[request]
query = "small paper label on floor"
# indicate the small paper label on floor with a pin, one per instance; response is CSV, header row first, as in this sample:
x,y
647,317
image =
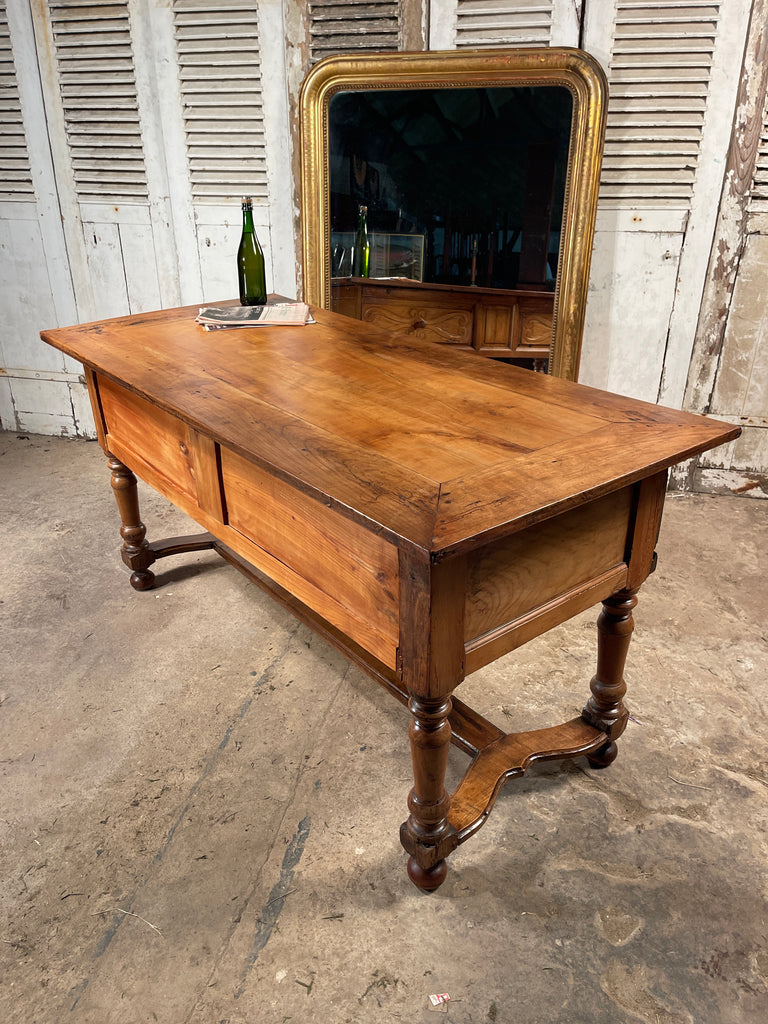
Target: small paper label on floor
x,y
441,997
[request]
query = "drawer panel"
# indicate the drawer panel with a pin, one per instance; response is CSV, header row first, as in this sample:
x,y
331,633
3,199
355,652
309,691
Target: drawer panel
x,y
495,326
528,570
535,324
535,331
160,440
339,569
432,322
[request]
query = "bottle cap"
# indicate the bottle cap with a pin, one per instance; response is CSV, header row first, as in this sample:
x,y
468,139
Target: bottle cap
x,y
247,201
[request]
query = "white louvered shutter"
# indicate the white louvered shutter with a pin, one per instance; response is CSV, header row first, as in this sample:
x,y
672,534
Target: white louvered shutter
x,y
503,23
220,77
673,68
758,197
353,26
15,174
94,61
659,81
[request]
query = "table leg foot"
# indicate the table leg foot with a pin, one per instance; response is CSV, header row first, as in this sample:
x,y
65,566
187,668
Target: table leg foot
x,y
427,879
143,580
604,756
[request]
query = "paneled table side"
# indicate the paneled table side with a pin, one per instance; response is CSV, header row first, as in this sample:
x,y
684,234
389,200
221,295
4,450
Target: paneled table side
x,y
423,509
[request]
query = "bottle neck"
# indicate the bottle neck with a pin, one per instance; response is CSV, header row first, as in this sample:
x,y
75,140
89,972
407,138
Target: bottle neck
x,y
248,219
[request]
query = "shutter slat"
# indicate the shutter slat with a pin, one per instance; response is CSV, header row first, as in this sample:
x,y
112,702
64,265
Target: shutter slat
x,y
656,162
678,148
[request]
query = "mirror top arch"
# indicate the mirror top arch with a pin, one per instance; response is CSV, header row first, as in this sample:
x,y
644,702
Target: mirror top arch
x,y
564,67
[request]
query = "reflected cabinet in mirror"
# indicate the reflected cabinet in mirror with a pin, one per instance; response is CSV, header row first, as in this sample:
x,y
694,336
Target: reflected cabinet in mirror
x,y
452,195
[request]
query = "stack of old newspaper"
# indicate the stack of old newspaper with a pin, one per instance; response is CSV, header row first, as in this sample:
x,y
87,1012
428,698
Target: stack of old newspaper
x,y
217,318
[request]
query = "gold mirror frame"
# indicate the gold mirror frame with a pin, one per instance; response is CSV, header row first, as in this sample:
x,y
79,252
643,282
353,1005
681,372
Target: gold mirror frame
x,y
460,69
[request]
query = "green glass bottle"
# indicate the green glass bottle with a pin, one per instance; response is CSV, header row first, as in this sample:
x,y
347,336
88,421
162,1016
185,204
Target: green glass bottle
x,y
250,262
361,263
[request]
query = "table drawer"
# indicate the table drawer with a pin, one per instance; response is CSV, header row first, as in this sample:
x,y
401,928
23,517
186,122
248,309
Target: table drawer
x,y
429,321
548,572
160,440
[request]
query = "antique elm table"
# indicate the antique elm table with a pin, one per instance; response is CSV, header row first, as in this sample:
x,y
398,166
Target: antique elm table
x,y
424,510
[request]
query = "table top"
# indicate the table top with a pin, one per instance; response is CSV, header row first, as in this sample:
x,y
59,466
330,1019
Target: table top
x,y
439,448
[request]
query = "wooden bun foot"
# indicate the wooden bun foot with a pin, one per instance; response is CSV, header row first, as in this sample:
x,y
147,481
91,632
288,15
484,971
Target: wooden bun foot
x,y
604,756
427,879
143,580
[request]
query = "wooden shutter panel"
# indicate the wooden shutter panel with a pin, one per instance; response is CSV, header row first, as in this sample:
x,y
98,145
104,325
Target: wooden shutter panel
x,y
15,174
220,77
503,23
659,79
353,26
94,62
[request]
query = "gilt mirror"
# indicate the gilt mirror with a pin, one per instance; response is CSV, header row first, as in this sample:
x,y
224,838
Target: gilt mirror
x,y
469,178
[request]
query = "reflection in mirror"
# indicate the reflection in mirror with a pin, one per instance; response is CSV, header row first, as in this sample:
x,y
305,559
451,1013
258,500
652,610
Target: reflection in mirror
x,y
468,180
462,186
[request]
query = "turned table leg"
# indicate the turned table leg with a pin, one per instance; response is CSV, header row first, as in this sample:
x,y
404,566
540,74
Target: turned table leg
x,y
426,835
136,552
605,708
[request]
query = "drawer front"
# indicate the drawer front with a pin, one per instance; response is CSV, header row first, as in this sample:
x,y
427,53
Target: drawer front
x,y
425,320
527,571
339,569
160,440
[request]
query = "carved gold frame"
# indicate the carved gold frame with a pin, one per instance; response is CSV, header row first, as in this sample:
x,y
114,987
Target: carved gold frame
x,y
558,66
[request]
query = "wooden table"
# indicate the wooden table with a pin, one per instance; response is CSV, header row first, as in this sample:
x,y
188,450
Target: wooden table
x,y
424,510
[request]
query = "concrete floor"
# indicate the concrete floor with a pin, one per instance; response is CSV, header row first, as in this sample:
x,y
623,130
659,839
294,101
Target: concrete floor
x,y
201,800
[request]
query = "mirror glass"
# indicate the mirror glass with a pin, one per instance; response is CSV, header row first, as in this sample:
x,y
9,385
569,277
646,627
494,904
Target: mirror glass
x,y
461,186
